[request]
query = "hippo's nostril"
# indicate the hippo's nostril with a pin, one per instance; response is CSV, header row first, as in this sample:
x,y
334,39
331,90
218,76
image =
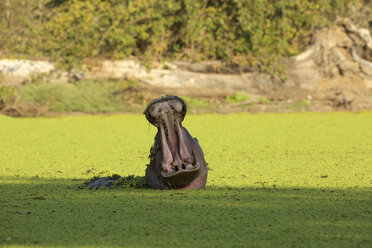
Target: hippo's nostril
x,y
176,168
183,166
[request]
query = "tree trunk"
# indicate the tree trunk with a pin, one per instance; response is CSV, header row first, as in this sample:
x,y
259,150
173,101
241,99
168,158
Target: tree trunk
x,y
8,13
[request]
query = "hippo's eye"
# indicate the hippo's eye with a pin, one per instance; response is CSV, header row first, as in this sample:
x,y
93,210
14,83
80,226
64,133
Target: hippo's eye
x,y
177,105
154,112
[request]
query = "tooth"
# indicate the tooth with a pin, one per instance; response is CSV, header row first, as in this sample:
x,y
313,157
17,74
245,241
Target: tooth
x,y
193,158
167,155
183,148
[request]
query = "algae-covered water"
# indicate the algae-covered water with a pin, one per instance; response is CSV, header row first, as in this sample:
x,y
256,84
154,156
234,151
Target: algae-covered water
x,y
275,180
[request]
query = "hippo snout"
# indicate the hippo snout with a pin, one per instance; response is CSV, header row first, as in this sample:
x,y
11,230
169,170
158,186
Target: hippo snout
x,y
178,161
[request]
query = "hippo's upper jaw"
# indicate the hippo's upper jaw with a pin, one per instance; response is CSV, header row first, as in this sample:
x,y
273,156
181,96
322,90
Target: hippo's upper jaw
x,y
179,165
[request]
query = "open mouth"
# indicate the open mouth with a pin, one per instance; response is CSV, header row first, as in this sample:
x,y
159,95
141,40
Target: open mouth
x,y
179,162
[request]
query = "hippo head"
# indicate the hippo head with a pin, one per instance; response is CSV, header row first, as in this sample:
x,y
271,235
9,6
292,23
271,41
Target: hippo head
x,y
177,163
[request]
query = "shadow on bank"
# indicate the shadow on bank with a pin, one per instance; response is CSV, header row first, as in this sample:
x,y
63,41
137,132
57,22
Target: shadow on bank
x,y
53,212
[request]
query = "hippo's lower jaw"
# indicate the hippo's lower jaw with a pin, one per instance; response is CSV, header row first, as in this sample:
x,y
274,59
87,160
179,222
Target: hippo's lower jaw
x,y
181,177
182,171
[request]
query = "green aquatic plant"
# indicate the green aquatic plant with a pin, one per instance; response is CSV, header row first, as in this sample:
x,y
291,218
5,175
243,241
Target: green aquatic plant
x,y
238,97
274,180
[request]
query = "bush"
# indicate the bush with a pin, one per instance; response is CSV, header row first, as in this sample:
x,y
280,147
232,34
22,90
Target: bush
x,y
238,97
82,96
243,32
7,94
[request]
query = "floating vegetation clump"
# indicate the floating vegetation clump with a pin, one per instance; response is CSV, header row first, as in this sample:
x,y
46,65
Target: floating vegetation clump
x,y
115,181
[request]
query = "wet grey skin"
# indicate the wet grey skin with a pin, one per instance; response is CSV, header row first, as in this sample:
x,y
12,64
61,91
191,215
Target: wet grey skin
x,y
100,182
176,159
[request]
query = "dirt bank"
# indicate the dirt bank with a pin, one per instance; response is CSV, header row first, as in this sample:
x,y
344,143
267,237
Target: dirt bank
x,y
334,73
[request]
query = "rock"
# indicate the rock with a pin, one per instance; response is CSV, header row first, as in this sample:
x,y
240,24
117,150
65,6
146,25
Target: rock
x,y
174,79
348,93
349,68
18,71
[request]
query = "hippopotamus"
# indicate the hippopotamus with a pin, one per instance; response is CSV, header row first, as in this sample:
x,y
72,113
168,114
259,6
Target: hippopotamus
x,y
176,158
